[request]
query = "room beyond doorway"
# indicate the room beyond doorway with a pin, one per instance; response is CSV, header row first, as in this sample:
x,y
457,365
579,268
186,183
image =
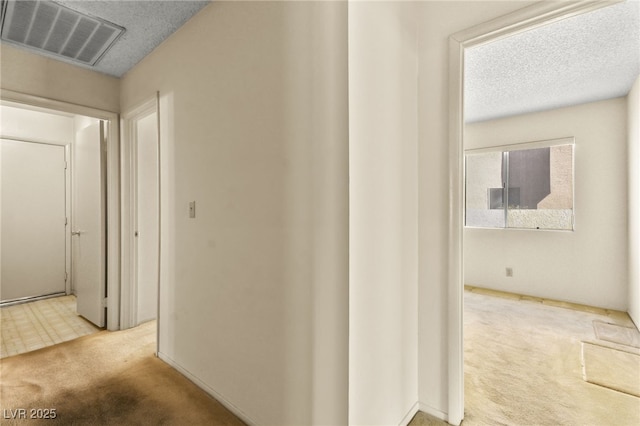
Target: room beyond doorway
x,y
53,207
109,152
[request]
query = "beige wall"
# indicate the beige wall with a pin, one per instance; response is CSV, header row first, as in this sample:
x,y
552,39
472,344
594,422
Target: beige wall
x,y
36,75
383,225
254,293
588,265
52,128
633,108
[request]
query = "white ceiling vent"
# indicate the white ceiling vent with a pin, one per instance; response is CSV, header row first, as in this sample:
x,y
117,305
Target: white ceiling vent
x,y
56,30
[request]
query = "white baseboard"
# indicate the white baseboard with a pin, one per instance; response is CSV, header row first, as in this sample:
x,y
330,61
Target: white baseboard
x,y
412,412
425,408
418,406
221,399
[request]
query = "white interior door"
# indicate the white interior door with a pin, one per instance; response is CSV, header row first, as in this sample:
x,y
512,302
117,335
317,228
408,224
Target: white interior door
x,y
33,191
88,232
147,220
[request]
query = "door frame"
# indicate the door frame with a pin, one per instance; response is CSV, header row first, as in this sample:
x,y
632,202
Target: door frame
x,y
113,187
129,160
527,18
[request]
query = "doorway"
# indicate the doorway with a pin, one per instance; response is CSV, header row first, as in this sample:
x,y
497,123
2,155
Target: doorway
x,y
525,19
53,200
141,215
53,221
101,304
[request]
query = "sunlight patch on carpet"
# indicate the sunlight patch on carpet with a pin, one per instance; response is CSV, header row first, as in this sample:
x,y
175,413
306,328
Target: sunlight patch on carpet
x,y
611,368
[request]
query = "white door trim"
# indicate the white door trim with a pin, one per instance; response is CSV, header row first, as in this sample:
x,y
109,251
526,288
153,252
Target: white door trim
x,y
129,288
67,206
536,15
113,188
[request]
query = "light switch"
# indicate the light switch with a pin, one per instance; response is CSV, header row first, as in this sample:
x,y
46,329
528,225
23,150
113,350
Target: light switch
x,y
192,209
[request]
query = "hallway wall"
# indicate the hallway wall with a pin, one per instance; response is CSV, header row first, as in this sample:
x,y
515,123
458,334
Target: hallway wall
x,y
254,289
52,128
383,225
47,78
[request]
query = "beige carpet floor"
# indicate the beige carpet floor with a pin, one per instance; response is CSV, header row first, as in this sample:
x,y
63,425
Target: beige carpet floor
x,y
523,365
107,378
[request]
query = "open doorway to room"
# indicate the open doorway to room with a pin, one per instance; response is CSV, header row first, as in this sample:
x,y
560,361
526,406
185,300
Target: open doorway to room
x,y
543,280
55,188
141,215
53,242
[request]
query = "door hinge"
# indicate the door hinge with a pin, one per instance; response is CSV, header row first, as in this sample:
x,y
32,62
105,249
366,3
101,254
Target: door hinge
x,y
104,302
66,165
66,276
66,221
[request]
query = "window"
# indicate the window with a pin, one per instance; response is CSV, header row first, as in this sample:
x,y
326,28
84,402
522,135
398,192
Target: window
x,y
527,186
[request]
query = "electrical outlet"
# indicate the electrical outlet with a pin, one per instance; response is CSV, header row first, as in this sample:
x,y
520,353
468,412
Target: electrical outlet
x,y
509,272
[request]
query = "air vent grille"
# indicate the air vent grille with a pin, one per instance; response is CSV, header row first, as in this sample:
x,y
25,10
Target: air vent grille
x,y
57,30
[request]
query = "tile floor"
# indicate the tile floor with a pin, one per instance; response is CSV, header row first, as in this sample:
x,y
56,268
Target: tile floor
x,y
34,325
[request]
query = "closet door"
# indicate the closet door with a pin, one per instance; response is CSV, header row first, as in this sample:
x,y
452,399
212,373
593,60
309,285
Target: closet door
x,y
32,209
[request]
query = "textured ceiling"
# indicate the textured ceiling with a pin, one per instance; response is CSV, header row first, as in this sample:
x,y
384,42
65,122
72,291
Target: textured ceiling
x,y
147,24
581,59
590,57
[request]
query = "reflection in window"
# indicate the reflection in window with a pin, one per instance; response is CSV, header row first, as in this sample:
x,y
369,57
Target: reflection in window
x,y
520,188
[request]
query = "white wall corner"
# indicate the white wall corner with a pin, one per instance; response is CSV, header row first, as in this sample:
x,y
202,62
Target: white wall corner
x,y
432,411
410,414
209,390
